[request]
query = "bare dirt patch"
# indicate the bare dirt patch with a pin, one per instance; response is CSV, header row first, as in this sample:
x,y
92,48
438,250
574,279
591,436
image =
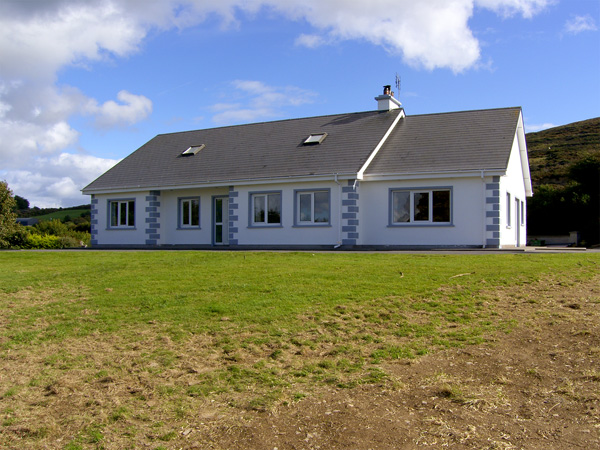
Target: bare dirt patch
x,y
535,386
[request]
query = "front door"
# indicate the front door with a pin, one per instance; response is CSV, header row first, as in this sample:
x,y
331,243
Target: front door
x,y
221,220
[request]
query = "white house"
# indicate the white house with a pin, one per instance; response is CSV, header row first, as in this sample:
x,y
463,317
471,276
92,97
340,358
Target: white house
x,y
376,179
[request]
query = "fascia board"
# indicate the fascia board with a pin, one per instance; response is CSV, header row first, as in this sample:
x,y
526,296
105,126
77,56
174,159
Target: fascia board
x,y
425,175
225,183
524,158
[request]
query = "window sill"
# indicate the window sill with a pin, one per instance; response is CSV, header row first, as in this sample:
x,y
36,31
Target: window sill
x,y
312,225
121,229
275,225
188,228
421,225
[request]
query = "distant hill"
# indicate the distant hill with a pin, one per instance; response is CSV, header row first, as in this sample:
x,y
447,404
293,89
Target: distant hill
x,y
552,152
565,172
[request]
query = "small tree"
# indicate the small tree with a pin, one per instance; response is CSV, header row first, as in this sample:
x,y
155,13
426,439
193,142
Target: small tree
x,y
22,203
8,218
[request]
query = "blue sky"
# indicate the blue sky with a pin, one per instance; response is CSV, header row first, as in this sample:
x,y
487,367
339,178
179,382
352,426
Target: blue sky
x,y
85,83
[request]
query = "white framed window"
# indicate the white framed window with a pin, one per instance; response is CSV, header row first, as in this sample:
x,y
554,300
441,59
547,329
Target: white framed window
x,y
508,211
312,207
265,208
189,212
522,213
121,213
420,206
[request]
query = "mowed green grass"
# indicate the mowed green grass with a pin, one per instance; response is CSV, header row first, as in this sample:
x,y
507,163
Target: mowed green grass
x,y
191,293
250,329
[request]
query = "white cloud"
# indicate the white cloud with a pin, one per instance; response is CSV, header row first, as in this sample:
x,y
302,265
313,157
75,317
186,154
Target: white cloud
x,y
310,40
578,24
263,102
132,109
532,128
527,8
57,181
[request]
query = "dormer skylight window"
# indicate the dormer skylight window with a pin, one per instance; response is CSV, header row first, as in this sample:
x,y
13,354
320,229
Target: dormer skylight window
x,y
315,139
193,150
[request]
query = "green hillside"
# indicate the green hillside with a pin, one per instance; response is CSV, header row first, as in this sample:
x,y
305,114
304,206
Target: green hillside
x,y
552,152
565,170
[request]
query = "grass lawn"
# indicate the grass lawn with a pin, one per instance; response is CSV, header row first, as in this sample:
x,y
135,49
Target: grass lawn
x,y
72,213
165,332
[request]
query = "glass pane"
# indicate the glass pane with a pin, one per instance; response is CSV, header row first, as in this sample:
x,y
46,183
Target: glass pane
x,y
218,210
305,207
185,206
441,206
259,209
114,214
401,207
322,207
219,234
131,214
195,212
274,208
123,213
421,200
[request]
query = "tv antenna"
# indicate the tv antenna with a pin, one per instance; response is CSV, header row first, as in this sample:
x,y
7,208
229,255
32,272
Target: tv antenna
x,y
398,84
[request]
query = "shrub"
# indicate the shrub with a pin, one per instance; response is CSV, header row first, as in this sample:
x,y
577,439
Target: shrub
x,y
44,241
54,227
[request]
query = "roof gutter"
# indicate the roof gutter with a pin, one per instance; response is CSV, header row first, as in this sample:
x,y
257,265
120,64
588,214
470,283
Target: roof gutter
x,y
361,172
438,174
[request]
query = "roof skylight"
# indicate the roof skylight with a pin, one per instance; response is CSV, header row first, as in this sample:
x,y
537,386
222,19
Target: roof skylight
x,y
316,138
193,150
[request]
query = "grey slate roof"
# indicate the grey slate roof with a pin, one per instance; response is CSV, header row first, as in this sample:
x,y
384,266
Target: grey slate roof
x,y
470,140
448,142
254,151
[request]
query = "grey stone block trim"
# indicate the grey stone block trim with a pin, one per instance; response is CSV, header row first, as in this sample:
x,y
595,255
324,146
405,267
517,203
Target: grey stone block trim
x,y
492,243
94,221
492,213
350,209
152,218
233,215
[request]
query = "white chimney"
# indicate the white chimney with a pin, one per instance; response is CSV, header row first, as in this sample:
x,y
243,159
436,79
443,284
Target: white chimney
x,y
386,101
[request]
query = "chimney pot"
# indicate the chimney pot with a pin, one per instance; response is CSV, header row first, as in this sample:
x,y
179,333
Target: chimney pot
x,y
386,101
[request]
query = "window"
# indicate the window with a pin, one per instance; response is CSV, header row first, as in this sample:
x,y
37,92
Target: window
x,y
420,206
265,209
193,150
508,215
189,212
312,207
316,138
522,213
122,213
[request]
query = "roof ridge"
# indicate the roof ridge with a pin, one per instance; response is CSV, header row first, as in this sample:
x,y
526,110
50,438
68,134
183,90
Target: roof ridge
x,y
273,122
465,111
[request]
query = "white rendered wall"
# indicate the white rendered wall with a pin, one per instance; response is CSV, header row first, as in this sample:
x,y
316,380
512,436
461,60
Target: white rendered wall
x,y
171,233
118,236
288,233
467,214
512,183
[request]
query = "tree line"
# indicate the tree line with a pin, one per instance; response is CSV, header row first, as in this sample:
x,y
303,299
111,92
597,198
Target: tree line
x,y
46,234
